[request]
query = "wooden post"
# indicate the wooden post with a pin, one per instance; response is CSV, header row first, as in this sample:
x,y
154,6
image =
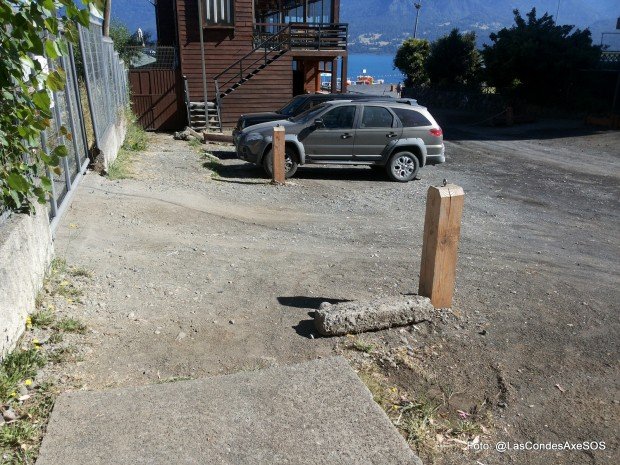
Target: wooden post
x,y
442,230
278,169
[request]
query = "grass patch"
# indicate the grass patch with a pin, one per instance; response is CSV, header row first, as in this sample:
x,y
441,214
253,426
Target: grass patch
x,y
17,367
42,318
80,272
19,433
213,164
55,338
20,439
136,140
62,354
56,284
58,265
362,346
121,168
425,422
194,143
70,325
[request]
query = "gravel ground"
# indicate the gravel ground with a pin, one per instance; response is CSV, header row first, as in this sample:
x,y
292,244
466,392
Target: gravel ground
x,y
196,275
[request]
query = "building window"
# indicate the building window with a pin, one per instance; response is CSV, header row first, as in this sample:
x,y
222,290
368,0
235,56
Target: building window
x,y
219,12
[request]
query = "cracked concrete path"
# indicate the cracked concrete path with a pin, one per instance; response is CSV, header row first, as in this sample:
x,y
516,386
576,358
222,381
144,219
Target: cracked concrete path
x,y
317,412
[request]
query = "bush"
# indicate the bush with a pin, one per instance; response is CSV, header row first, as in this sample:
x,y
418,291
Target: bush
x,y
538,60
26,86
410,60
454,62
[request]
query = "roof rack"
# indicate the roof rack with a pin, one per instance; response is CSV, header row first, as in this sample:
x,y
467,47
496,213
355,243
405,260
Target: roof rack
x,y
407,101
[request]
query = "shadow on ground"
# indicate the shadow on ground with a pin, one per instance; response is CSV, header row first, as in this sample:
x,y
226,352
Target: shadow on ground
x,y
306,328
307,302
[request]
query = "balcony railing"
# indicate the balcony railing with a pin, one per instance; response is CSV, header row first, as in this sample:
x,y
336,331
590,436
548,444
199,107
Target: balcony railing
x,y
306,36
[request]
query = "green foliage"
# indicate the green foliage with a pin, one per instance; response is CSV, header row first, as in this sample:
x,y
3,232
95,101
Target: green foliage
x,y
125,41
26,85
17,367
454,62
135,141
538,60
42,318
70,325
410,59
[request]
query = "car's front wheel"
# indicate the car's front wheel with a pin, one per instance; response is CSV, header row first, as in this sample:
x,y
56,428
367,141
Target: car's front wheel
x,y
290,162
403,167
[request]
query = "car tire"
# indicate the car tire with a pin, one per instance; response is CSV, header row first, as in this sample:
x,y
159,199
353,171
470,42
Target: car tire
x,y
403,167
290,161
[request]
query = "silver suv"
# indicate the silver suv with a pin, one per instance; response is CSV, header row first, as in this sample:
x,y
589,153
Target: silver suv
x,y
400,137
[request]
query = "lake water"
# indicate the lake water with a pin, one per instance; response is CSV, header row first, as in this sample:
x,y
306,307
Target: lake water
x,y
378,66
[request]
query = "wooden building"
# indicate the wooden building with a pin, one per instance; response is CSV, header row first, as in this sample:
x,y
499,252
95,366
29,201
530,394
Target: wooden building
x,y
244,56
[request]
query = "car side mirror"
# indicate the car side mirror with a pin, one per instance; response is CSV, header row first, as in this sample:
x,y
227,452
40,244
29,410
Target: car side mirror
x,y
319,123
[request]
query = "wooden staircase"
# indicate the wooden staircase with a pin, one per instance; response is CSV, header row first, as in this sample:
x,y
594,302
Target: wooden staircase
x,y
268,47
201,122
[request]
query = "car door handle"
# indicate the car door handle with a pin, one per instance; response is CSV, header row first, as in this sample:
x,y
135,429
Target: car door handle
x,y
346,135
391,135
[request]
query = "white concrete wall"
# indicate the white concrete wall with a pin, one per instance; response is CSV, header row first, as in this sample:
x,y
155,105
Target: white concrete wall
x,y
26,252
111,142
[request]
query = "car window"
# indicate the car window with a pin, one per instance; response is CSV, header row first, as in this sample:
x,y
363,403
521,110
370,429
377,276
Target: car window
x,y
292,107
376,117
340,117
308,114
411,118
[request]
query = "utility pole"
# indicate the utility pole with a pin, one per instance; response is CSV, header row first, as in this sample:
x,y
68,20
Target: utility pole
x,y
557,12
417,5
107,9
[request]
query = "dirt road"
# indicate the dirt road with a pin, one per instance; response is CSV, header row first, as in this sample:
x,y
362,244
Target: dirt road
x,y
197,276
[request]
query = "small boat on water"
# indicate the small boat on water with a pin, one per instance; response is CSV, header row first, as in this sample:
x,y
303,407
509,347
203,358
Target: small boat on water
x,y
365,79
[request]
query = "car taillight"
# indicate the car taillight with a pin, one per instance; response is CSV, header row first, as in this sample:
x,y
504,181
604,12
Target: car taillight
x,y
437,132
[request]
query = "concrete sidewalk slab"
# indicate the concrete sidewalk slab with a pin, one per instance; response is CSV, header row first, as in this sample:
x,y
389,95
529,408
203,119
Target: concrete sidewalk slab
x,y
317,412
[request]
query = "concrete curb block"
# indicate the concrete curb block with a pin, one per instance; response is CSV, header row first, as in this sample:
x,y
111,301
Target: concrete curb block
x,y
217,137
358,317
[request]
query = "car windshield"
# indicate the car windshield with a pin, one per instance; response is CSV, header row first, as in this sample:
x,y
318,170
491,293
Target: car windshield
x,y
291,106
308,114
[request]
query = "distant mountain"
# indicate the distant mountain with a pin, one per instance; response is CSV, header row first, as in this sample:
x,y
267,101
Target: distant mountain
x,y
379,26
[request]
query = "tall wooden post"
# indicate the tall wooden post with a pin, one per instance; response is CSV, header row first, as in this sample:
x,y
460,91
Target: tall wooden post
x,y
442,230
278,169
107,12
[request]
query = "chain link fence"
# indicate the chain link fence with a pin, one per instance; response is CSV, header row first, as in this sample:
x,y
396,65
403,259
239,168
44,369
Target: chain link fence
x,y
106,80
106,83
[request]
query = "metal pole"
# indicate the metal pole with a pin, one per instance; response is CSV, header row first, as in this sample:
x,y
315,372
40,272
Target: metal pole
x,y
417,15
80,114
202,59
89,92
68,97
53,202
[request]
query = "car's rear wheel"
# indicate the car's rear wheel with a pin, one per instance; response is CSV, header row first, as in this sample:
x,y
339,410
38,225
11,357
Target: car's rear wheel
x,y
403,167
290,162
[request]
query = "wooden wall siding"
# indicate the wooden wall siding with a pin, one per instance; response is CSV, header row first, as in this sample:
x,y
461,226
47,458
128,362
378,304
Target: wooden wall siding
x,y
157,98
268,90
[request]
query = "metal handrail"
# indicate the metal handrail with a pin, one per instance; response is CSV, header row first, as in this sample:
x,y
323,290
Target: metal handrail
x,y
261,45
317,36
